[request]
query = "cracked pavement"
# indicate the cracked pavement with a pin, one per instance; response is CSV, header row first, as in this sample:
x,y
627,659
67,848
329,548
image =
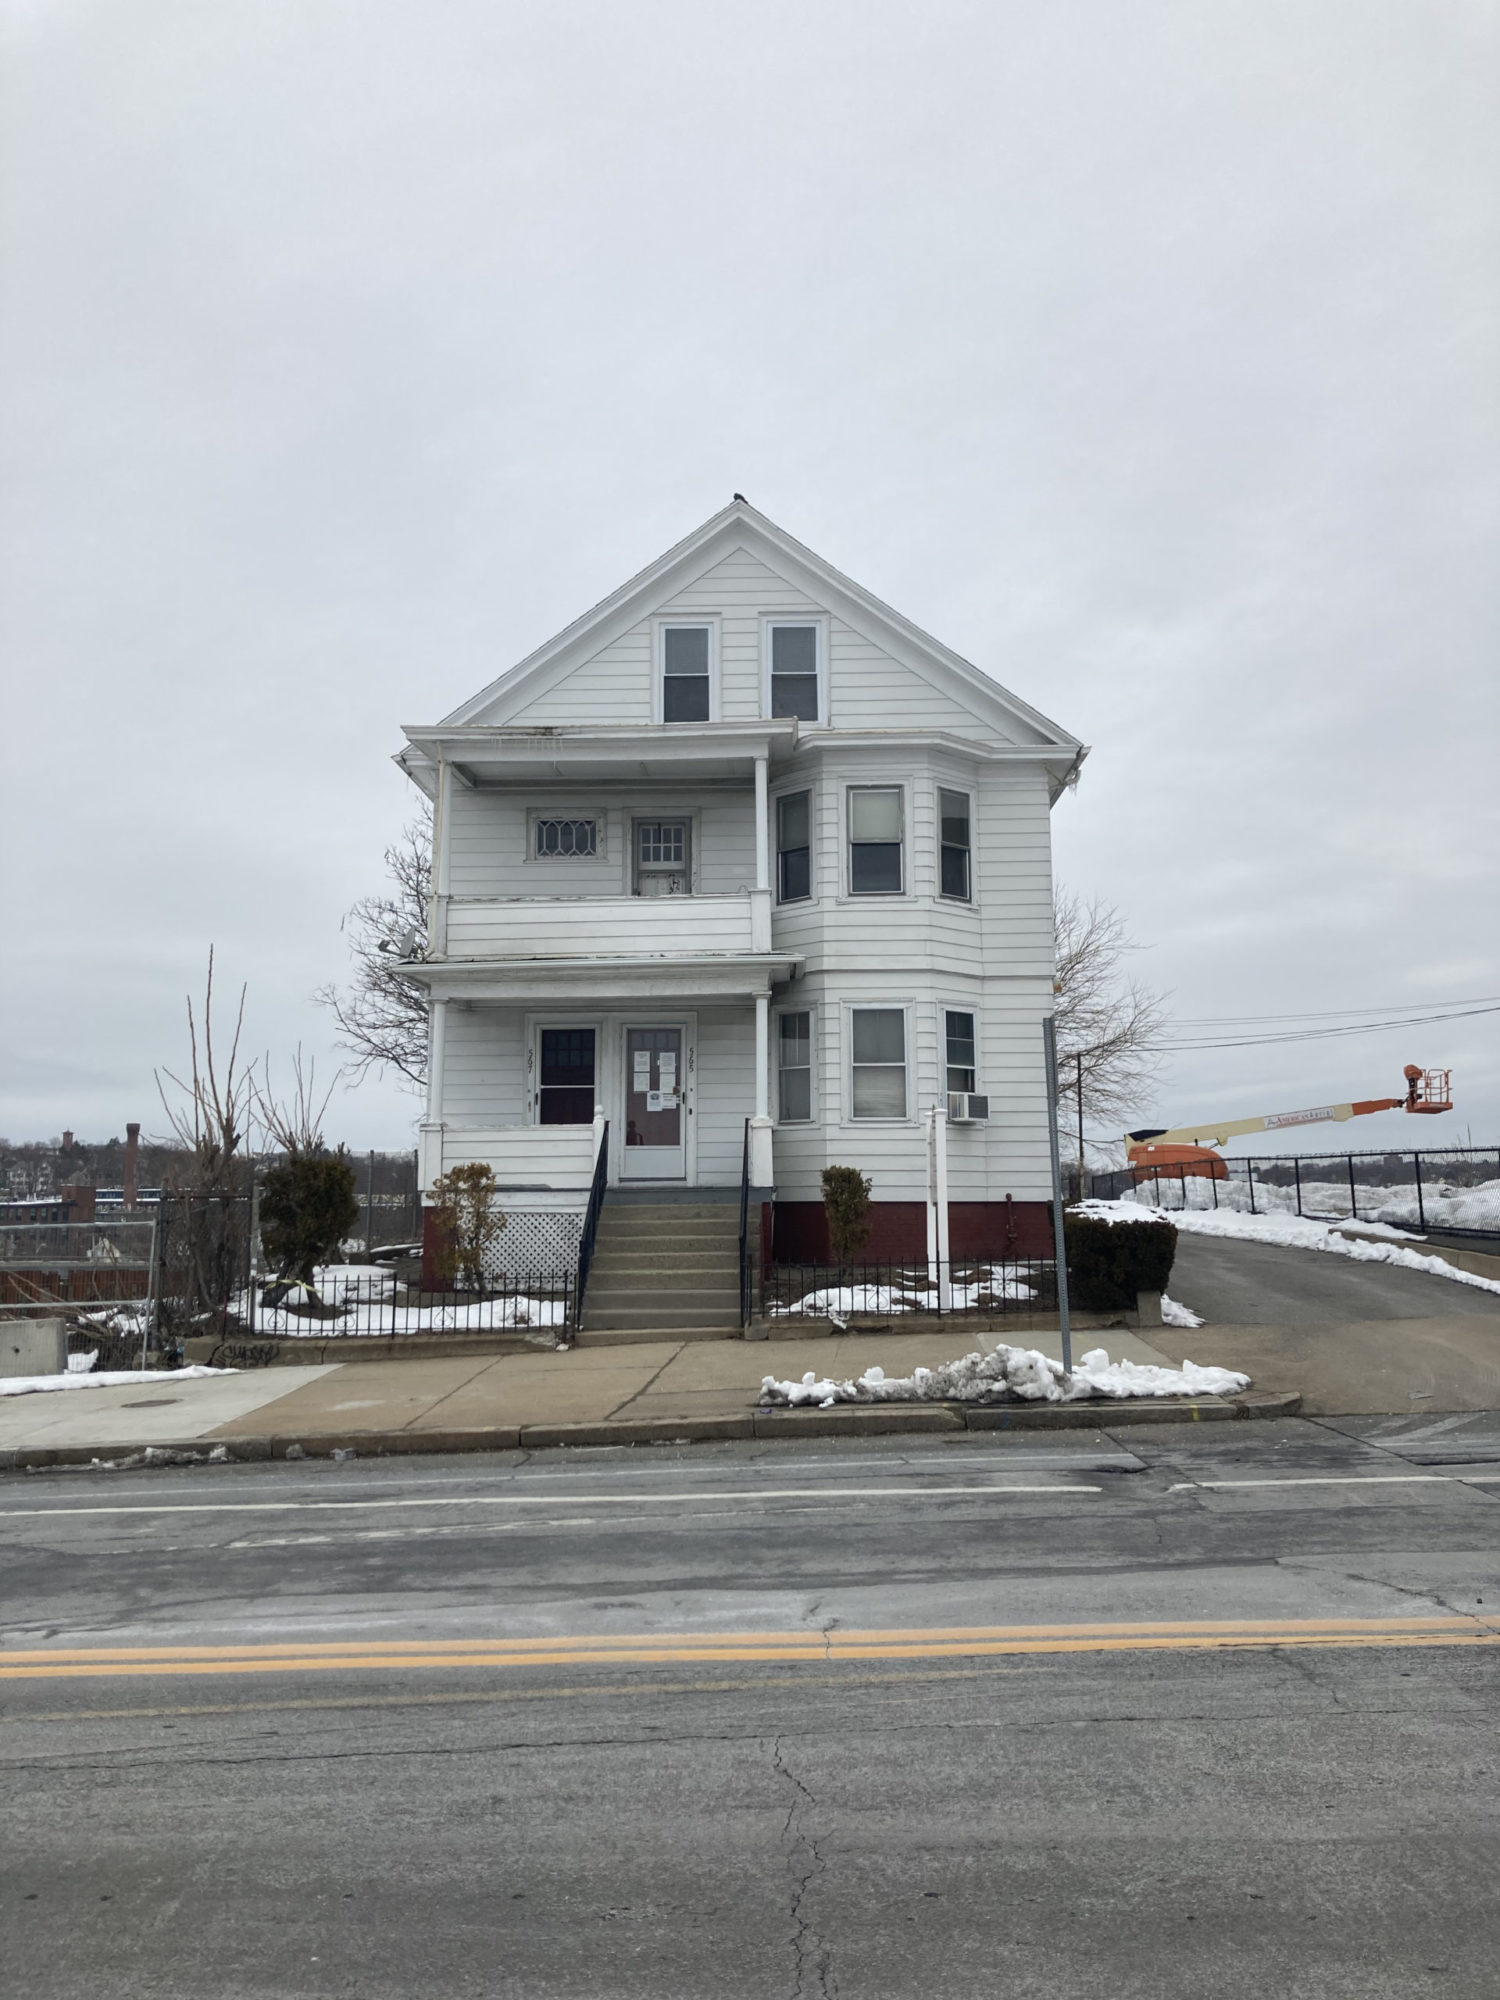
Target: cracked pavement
x,y
1314,1822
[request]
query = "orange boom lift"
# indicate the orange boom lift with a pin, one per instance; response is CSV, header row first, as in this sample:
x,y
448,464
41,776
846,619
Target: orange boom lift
x,y
1188,1149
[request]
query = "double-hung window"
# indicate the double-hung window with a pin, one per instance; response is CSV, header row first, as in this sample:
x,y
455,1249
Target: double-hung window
x,y
685,673
794,671
875,867
794,847
953,823
878,1066
960,1050
794,1067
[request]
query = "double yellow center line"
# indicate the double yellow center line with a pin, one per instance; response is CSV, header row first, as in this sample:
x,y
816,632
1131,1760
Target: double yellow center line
x,y
764,1648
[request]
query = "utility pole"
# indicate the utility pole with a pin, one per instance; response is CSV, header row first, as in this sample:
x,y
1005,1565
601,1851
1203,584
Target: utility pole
x,y
1060,1252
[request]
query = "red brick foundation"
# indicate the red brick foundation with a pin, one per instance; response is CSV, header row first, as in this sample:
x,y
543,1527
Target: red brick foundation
x,y
898,1231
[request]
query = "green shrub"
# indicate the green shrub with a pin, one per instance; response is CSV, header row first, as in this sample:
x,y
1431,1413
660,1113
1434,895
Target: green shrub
x,y
1109,1263
846,1203
308,1205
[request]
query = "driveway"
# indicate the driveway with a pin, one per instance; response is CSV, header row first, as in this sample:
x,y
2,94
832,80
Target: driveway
x,y
1260,1284
1350,1338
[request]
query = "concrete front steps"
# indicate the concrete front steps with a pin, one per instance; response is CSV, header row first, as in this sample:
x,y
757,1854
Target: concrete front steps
x,y
669,1268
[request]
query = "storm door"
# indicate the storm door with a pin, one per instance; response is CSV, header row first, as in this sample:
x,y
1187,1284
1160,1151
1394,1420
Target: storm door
x,y
655,1114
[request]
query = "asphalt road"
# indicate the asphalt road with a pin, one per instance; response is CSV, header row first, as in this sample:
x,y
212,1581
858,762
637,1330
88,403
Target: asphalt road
x,y
606,1724
1259,1284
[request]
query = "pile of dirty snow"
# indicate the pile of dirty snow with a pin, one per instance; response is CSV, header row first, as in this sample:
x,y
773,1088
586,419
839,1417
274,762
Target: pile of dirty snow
x,y
1008,1375
1290,1232
123,1378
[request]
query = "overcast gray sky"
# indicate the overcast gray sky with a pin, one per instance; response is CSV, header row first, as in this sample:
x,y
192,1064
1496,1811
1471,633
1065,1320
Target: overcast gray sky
x,y
1146,354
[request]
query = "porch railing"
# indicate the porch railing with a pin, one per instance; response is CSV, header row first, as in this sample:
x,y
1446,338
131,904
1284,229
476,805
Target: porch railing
x,y
591,1221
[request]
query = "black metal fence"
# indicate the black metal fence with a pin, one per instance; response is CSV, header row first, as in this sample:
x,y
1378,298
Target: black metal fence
x,y
961,1288
1451,1191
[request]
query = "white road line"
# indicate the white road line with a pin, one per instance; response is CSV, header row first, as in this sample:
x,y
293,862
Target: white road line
x,y
1341,1479
536,1500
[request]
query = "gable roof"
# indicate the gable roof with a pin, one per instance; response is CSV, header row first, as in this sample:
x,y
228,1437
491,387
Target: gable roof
x,y
739,525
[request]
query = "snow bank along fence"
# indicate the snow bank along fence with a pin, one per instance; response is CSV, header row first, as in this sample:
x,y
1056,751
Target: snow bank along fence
x,y
958,1287
1453,1191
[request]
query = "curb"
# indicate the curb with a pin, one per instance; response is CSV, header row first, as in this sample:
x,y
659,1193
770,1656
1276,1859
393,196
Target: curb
x,y
843,1420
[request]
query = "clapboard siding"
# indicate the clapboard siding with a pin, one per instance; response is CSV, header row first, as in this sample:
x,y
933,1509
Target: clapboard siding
x,y
607,926
489,847
725,1091
868,688
484,1066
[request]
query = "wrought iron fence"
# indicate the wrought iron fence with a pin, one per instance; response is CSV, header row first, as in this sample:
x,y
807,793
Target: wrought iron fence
x,y
960,1288
745,1282
1452,1191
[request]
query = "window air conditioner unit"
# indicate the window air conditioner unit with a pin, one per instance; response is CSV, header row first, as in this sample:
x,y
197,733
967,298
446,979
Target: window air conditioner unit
x,y
964,1108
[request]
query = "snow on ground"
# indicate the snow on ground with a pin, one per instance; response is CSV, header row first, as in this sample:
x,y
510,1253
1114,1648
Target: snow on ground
x,y
364,1299
1009,1374
1290,1232
1444,1205
1173,1314
128,1378
993,1282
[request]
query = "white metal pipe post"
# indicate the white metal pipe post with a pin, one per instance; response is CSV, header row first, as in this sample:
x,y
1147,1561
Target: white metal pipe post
x,y
762,823
940,1205
1049,1051
763,1056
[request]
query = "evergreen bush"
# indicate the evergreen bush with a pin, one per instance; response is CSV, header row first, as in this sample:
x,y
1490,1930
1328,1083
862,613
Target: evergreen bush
x,y
308,1205
846,1203
1109,1263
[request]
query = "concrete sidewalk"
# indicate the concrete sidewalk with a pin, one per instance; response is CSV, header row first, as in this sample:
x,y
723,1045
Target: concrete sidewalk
x,y
623,1395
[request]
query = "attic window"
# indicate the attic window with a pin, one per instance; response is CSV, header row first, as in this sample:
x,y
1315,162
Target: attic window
x,y
684,674
794,671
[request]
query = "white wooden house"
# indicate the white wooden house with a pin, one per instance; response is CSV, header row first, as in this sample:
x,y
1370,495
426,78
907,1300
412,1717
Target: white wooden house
x,y
742,843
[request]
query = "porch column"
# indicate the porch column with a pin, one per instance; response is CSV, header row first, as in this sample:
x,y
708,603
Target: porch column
x,y
761,1167
762,823
437,919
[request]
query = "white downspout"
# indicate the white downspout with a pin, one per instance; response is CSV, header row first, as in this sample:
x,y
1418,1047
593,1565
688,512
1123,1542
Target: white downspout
x,y
432,1123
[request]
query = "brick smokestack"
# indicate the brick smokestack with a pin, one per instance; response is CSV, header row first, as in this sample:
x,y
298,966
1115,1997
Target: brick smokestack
x,y
132,1164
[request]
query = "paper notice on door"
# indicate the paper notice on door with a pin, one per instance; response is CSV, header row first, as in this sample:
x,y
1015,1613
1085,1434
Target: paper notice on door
x,y
653,1100
643,1069
668,1066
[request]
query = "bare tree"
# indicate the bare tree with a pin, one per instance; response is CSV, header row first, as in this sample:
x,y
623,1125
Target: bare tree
x,y
382,1017
211,1117
1109,1026
294,1123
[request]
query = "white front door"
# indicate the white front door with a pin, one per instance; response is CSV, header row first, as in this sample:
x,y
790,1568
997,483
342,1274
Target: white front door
x,y
655,1146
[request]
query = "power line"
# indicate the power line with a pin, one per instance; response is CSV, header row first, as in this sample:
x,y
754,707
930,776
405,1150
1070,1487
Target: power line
x,y
1328,1033
1483,1001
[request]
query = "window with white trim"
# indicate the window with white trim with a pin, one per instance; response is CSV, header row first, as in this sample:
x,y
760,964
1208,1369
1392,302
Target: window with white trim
x,y
878,1062
875,840
794,671
685,673
955,872
794,847
563,839
794,1067
959,1036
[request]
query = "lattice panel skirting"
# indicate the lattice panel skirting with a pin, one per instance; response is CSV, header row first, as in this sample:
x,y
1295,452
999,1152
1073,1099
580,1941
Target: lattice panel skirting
x,y
535,1242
